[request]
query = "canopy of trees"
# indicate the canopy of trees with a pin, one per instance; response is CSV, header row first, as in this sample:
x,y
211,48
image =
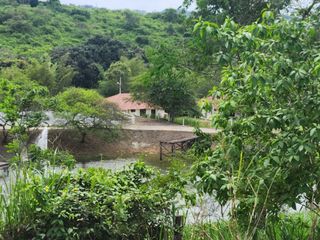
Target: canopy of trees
x,y
242,11
27,31
91,59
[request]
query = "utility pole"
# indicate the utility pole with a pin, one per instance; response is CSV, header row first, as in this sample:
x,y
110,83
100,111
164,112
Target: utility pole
x,y
120,83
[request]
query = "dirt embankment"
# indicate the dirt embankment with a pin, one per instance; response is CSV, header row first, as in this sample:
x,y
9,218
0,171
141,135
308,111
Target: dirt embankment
x,y
127,144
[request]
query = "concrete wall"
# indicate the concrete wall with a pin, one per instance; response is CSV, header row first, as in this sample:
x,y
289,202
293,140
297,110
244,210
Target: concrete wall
x,y
130,142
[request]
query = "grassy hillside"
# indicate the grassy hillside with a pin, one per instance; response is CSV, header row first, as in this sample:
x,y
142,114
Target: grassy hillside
x,y
27,31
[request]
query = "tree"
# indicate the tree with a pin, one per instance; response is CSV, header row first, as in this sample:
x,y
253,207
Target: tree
x,y
117,76
131,20
125,70
86,111
22,103
91,59
242,11
55,4
268,153
42,72
55,76
34,3
172,15
64,75
165,84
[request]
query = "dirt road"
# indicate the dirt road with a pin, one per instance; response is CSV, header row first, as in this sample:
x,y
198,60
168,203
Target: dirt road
x,y
156,125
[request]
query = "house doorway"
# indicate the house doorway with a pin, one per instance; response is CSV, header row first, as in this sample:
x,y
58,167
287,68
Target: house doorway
x,y
153,113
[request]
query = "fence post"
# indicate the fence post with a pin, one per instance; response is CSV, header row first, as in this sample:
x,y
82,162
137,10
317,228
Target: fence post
x,y
161,158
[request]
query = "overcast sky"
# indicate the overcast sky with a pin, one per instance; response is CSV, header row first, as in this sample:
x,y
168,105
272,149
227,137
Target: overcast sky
x,y
146,5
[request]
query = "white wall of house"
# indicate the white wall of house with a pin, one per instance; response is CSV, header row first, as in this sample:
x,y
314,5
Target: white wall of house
x,y
159,113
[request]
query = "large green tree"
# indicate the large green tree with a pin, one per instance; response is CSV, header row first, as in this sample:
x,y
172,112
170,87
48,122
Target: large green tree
x,y
22,103
268,153
166,83
86,111
91,59
122,71
55,76
242,11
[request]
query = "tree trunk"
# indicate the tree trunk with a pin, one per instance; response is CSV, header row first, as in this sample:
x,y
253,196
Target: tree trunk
x,y
171,117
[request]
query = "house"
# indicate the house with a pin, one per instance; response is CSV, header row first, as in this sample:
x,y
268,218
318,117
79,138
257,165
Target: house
x,y
127,105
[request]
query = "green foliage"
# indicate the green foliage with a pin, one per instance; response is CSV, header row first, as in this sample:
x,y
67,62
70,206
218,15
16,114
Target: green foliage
x,y
242,11
55,76
165,84
288,227
126,70
34,3
90,204
91,59
39,159
21,103
268,153
192,122
86,111
131,20
169,15
203,144
31,32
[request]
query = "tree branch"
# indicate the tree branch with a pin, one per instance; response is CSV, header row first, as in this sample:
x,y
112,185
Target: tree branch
x,y
308,10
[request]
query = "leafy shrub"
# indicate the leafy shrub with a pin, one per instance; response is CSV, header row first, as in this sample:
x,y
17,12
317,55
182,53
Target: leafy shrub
x,y
203,144
288,227
41,158
90,204
268,153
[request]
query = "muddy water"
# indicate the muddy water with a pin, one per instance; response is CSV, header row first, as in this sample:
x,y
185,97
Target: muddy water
x,y
120,163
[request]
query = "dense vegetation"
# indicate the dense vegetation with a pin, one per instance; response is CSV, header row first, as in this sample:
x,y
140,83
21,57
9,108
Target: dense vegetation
x,y
136,203
27,31
265,158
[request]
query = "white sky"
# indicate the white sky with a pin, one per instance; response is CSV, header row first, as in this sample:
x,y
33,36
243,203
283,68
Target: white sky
x,y
145,5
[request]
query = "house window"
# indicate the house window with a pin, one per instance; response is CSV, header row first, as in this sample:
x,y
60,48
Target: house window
x,y
133,110
143,112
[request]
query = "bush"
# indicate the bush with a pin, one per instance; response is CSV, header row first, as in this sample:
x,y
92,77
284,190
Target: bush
x,y
89,204
287,227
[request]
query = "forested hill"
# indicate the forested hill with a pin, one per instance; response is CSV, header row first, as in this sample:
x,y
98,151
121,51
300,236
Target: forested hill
x,y
32,31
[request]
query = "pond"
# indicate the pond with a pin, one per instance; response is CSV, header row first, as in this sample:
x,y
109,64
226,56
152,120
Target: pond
x,y
120,163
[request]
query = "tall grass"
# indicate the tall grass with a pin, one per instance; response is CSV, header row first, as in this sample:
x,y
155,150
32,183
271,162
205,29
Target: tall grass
x,y
192,122
17,201
297,226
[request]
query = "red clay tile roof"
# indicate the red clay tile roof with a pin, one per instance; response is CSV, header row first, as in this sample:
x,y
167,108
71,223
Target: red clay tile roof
x,y
125,102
